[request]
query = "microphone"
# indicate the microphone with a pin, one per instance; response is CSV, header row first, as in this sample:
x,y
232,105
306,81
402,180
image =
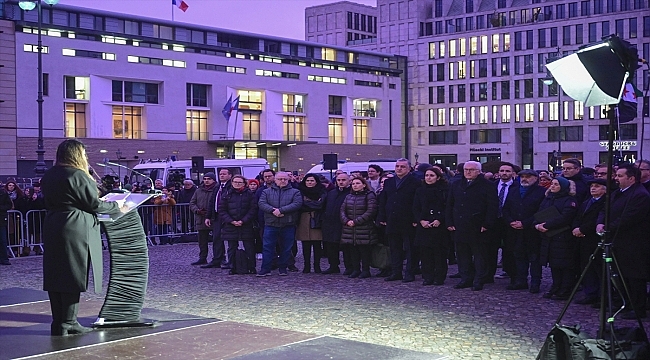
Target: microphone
x,y
109,168
151,191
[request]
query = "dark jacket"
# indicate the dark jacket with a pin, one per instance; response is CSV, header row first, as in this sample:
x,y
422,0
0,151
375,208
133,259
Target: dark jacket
x,y
582,187
522,208
199,205
628,228
560,249
71,230
5,205
332,214
236,206
429,204
471,206
311,209
287,199
361,208
396,203
185,195
221,190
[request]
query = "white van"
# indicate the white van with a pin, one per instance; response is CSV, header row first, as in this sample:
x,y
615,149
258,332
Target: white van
x,y
348,167
176,171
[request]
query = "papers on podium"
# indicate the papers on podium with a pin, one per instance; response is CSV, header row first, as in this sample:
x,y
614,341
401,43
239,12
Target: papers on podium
x,y
130,200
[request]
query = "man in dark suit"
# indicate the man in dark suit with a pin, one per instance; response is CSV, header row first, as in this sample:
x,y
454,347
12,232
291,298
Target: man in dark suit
x,y
219,258
505,187
472,208
584,228
396,213
332,222
518,210
628,230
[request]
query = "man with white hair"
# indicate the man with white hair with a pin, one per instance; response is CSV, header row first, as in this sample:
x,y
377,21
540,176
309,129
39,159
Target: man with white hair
x,y
472,208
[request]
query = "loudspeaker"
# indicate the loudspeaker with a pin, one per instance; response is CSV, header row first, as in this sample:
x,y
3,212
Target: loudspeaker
x,y
330,161
197,163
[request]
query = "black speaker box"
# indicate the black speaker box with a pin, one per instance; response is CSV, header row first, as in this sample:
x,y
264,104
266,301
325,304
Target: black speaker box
x,y
197,163
330,161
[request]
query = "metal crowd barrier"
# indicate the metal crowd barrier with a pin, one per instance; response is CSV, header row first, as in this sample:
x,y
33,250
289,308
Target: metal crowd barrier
x,y
26,230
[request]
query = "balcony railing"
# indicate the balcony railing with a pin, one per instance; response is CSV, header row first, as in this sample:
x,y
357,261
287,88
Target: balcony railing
x,y
365,112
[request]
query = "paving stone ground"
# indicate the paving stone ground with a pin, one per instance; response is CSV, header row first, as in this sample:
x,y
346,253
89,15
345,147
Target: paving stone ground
x,y
462,324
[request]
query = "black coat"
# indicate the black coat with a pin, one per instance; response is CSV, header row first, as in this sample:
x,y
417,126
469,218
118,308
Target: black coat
x,y
5,205
582,186
429,204
71,230
628,228
471,206
360,207
236,206
185,195
396,204
559,250
332,227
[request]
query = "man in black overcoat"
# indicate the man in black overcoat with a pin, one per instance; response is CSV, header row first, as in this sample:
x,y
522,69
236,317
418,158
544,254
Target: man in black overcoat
x,y
472,208
5,205
332,226
584,229
521,204
505,187
396,213
219,258
628,230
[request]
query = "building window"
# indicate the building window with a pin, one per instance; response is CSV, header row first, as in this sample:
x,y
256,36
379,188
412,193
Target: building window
x,y
488,136
335,105
127,122
443,137
505,90
293,103
136,92
294,128
34,48
365,108
625,132
440,98
75,120
360,131
461,93
529,109
77,87
251,124
196,122
441,117
440,72
197,95
335,129
462,116
579,34
482,91
250,100
505,113
565,133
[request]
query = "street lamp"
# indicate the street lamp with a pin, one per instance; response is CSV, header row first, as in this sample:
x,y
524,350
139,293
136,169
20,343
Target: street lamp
x,y
40,150
417,156
118,153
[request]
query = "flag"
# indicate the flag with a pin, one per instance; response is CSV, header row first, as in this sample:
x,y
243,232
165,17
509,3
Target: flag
x,y
627,105
231,105
180,4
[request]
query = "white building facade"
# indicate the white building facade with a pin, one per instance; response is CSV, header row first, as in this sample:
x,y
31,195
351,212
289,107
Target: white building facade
x,y
134,88
476,71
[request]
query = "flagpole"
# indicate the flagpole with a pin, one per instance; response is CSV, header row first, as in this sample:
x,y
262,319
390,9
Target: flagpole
x,y
172,11
234,131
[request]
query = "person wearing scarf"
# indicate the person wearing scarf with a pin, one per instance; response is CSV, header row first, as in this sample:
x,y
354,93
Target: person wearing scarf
x,y
309,226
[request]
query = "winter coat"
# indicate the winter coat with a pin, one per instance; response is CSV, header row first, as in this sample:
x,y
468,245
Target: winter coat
x,y
199,205
185,195
586,220
582,186
287,199
560,250
522,208
396,204
361,208
628,228
221,190
5,205
238,206
429,204
470,206
162,213
311,209
71,237
332,214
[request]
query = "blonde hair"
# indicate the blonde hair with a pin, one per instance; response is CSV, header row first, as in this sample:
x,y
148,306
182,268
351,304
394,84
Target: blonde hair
x,y
72,153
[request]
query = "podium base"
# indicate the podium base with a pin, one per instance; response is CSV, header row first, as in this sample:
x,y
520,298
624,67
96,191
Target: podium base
x,y
108,324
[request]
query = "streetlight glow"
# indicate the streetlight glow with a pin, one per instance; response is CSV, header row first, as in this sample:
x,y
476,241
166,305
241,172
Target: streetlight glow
x,y
27,5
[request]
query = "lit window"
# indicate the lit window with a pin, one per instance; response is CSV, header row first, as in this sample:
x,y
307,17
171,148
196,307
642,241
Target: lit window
x,y
335,128
34,48
196,122
360,131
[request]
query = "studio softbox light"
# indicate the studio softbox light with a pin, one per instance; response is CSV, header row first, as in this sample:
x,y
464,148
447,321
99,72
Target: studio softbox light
x,y
595,75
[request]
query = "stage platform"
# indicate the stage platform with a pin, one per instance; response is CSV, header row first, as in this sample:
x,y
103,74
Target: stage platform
x,y
25,332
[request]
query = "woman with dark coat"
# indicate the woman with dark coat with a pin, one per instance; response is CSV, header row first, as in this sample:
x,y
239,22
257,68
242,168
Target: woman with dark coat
x,y
431,234
237,213
309,227
14,221
358,213
71,234
559,250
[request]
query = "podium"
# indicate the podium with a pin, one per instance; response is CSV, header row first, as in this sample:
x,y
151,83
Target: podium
x,y
129,264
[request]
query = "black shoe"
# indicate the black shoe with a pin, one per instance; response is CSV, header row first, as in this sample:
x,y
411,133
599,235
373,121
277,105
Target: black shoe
x,y
364,274
306,270
232,272
332,270
534,289
427,282
348,271
408,279
66,329
477,287
462,285
200,262
5,262
438,283
454,276
587,300
293,268
393,278
317,269
516,286
210,266
354,274
384,273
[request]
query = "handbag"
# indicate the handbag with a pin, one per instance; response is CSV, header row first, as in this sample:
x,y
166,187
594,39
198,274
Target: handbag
x,y
380,256
315,220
